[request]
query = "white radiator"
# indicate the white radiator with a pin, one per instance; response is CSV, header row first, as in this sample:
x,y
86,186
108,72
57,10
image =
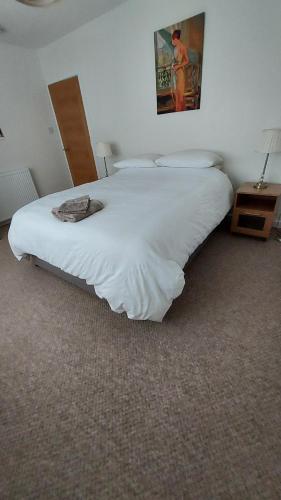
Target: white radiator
x,y
16,190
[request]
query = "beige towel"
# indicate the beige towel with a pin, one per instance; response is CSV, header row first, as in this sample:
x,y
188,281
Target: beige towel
x,y
94,206
77,205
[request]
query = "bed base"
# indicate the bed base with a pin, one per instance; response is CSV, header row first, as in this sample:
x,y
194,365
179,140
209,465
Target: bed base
x,y
82,283
63,275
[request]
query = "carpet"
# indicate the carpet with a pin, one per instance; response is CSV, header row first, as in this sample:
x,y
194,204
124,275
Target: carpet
x,y
95,406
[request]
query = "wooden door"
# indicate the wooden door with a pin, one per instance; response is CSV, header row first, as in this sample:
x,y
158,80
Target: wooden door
x,y
69,110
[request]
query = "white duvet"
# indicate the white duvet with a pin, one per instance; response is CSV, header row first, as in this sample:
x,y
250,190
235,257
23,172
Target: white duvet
x,y
134,250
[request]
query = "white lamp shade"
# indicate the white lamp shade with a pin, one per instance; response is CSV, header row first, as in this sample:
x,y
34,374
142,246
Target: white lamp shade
x,y
270,141
103,149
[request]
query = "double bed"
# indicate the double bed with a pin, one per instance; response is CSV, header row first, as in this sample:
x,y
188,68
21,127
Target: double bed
x,y
134,250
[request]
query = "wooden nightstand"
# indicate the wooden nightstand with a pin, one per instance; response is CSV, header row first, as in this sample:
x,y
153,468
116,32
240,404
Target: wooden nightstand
x,y
254,209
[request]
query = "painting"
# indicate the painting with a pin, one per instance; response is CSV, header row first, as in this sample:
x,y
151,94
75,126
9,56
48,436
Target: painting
x,y
178,65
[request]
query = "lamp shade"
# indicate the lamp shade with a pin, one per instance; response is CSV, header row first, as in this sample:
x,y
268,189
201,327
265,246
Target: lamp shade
x,y
270,141
103,149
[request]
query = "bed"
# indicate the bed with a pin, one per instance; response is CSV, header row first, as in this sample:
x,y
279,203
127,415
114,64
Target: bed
x,y
133,251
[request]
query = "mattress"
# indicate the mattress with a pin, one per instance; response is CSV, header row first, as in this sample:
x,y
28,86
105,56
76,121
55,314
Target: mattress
x,y
134,250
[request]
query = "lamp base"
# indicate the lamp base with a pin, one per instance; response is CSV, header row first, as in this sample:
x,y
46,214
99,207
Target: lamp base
x,y
260,185
105,166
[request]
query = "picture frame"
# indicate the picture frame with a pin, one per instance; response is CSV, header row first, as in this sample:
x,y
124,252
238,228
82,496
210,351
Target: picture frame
x,y
178,65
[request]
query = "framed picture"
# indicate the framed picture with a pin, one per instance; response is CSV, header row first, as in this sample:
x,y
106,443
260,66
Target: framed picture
x,y
178,65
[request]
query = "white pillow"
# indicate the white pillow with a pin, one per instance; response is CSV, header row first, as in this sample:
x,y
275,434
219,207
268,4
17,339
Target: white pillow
x,y
191,158
141,161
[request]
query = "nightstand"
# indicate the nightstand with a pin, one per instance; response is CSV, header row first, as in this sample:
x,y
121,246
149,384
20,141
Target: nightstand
x,y
254,209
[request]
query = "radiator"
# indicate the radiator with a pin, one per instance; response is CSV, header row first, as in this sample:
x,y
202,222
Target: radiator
x,y
16,190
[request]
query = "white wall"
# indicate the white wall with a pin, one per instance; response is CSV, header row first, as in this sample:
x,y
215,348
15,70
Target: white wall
x,y
25,115
114,59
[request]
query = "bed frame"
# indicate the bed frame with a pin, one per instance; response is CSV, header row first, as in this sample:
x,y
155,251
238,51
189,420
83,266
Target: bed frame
x,y
90,288
82,283
62,274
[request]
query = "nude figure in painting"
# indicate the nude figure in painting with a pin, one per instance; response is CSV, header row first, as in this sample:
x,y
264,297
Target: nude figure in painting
x,y
180,61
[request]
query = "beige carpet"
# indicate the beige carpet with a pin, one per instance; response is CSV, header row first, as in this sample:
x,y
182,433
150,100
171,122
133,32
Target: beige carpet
x,y
95,406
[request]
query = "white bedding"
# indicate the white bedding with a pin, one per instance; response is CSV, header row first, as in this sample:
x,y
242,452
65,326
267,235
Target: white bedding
x,y
134,250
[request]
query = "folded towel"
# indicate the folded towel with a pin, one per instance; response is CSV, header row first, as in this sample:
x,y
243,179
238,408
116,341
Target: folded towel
x,y
77,205
94,206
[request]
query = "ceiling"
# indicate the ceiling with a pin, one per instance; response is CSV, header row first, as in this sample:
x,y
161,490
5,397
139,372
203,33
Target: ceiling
x,y
35,27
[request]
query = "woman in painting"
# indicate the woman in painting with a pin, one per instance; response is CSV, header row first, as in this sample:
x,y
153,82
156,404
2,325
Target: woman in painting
x,y
180,61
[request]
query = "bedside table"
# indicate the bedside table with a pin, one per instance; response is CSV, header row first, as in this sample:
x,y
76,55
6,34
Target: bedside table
x,y
254,209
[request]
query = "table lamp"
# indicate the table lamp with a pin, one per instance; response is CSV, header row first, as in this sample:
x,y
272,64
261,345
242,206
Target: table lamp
x,y
103,150
270,143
